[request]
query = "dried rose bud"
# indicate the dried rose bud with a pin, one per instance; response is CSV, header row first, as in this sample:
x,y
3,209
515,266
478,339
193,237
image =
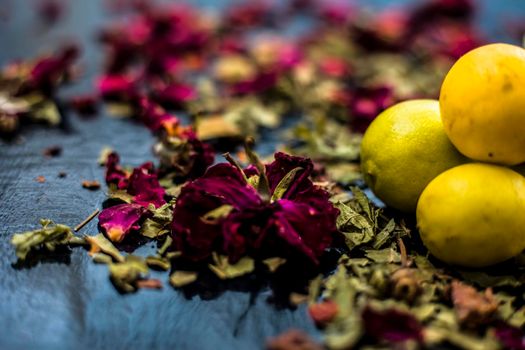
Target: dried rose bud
x,y
406,284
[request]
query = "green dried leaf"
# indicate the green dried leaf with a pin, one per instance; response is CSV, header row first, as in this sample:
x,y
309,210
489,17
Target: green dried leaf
x,y
174,191
346,328
385,235
505,308
101,258
217,214
100,243
518,318
158,263
119,110
46,111
182,278
314,289
172,255
364,203
384,256
426,312
284,184
165,246
274,263
159,223
120,195
354,226
224,270
326,140
126,274
253,181
249,114
50,236
462,340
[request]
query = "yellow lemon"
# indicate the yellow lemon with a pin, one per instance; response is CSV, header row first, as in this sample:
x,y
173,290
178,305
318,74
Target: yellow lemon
x,y
403,149
482,103
472,215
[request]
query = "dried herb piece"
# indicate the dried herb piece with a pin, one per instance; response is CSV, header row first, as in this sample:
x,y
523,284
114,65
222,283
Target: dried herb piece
x,y
182,278
158,263
100,243
50,236
158,224
356,228
126,275
473,308
274,263
346,329
92,185
41,179
224,270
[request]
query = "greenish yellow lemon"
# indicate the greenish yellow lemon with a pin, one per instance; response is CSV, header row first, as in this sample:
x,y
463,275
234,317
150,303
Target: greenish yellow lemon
x,y
403,149
472,215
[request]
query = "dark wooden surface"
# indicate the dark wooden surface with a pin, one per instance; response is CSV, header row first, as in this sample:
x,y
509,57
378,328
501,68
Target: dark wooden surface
x,y
66,301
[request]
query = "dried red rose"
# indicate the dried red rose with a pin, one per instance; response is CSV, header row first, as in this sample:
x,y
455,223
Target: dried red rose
x,y
117,86
175,94
142,183
145,188
114,172
222,212
48,71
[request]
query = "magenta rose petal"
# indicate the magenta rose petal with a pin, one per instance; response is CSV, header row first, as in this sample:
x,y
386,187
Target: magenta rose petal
x,y
119,220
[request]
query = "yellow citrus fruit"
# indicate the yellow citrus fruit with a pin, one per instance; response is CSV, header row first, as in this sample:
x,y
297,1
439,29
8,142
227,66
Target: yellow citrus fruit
x,y
472,215
403,149
483,104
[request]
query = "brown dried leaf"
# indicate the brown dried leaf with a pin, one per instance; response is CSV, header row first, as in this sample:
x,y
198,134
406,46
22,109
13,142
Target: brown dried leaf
x,y
473,308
